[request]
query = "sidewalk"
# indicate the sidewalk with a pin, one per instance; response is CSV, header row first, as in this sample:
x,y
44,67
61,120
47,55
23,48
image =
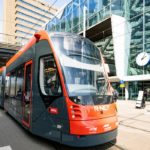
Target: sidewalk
x,y
134,126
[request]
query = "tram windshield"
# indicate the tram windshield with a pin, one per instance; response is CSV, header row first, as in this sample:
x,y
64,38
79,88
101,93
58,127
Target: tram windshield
x,y
81,65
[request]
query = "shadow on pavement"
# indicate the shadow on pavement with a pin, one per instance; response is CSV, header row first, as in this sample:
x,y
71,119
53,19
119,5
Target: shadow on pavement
x,y
39,143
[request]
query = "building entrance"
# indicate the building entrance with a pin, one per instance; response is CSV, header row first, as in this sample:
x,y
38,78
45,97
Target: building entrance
x,y
136,86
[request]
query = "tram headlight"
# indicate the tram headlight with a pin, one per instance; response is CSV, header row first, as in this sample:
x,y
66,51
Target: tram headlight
x,y
73,116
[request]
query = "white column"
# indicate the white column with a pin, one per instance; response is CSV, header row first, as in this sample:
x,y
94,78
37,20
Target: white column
x,y
121,32
126,90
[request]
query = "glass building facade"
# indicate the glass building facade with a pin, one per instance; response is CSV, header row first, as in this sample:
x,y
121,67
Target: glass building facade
x,y
136,13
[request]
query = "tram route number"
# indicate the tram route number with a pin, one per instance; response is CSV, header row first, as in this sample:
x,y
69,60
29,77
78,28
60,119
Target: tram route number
x,y
101,108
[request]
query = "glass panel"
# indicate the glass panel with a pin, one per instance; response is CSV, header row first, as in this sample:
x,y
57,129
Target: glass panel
x,y
19,83
136,86
93,20
27,94
107,49
28,79
147,5
68,14
68,22
75,15
106,12
117,7
81,14
76,29
13,85
100,15
147,27
80,60
136,44
105,2
134,51
76,1
7,86
93,7
83,1
82,69
49,80
136,7
63,24
57,25
137,30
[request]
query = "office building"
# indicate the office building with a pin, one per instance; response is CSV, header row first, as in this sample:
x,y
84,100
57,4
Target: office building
x,y
22,18
121,29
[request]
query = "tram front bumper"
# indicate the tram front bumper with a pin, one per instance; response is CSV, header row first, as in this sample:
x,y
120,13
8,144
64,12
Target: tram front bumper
x,y
89,140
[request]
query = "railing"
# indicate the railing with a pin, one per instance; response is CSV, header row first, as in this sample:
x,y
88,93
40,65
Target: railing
x,y
91,19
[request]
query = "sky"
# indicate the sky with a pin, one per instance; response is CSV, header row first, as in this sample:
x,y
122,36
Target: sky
x,y
58,4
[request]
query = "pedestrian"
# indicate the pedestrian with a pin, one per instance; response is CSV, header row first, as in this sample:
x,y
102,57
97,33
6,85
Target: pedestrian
x,y
115,95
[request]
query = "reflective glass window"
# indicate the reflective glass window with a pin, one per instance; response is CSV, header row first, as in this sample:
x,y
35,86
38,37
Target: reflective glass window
x,y
7,86
12,85
19,83
81,65
81,14
105,2
93,20
83,1
76,2
75,15
49,78
147,5
68,22
93,7
117,7
137,30
136,7
63,24
147,27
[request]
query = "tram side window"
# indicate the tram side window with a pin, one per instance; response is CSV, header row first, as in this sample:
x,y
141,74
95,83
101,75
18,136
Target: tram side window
x,y
7,85
49,78
12,84
19,83
28,81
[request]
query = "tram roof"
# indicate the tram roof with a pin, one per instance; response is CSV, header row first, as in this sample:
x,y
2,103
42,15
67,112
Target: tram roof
x,y
37,36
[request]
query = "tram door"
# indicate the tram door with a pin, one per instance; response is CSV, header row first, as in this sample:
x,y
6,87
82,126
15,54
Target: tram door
x,y
27,94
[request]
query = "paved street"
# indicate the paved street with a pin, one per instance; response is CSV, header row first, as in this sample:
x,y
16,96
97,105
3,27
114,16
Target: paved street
x,y
134,132
134,126
16,137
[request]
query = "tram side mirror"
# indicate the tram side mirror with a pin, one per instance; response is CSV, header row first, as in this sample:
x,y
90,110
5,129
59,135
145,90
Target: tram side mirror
x,y
115,95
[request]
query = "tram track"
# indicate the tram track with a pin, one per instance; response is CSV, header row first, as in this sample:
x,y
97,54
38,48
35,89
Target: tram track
x,y
147,131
